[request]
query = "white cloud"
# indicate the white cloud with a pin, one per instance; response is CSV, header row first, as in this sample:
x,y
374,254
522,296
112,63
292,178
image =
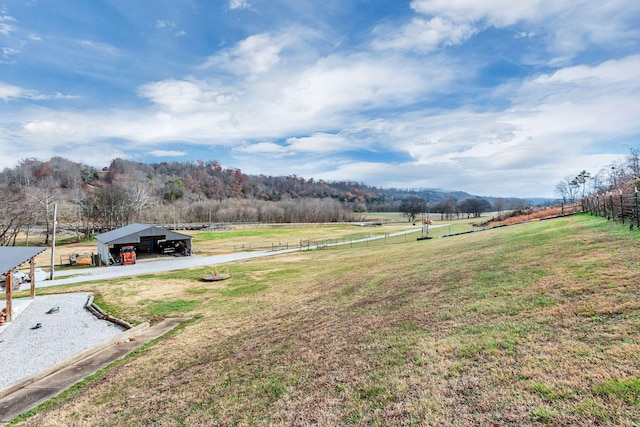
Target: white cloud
x,y
7,54
267,52
584,100
166,153
96,154
525,35
270,148
97,47
163,24
365,81
623,70
6,27
8,92
239,4
181,96
254,55
499,13
567,26
424,35
319,143
317,94
170,26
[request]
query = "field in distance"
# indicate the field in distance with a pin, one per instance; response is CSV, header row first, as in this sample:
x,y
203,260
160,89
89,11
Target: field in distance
x,y
237,238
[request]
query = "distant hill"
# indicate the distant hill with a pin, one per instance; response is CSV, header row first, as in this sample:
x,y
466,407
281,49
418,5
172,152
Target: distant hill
x,y
209,180
198,192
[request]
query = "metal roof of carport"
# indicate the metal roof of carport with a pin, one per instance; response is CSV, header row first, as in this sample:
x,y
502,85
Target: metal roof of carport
x,y
133,232
12,256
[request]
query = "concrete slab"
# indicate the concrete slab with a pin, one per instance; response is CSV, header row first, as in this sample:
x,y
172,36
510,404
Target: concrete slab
x,y
21,402
18,305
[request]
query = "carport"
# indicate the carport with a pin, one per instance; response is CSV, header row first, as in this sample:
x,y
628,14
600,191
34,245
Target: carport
x,y
12,257
144,237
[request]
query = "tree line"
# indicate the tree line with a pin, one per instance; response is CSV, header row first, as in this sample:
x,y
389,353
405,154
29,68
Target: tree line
x,y
450,208
620,176
91,200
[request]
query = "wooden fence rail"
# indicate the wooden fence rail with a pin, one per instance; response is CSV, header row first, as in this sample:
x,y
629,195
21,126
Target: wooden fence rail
x,y
617,206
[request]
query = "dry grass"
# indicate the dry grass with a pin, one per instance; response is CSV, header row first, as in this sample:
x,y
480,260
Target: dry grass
x,y
536,324
268,237
238,238
537,214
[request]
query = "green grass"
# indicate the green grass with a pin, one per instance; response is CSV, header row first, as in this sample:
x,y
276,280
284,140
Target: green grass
x,y
533,324
627,390
166,308
269,231
104,305
243,290
554,394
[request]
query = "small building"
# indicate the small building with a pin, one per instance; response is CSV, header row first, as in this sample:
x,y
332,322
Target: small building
x,y
146,239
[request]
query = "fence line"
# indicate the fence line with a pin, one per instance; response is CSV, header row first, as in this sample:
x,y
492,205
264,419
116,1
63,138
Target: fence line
x,y
614,206
363,239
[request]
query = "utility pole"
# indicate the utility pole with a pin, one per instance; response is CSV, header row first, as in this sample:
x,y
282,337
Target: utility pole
x,y
53,240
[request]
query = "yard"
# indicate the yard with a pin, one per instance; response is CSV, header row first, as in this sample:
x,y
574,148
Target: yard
x,y
535,324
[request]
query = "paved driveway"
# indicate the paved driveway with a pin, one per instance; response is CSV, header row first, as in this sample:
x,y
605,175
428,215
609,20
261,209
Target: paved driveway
x,y
156,266
179,263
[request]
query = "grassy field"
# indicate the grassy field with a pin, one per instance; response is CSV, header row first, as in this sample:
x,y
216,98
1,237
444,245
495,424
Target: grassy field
x,y
241,238
534,324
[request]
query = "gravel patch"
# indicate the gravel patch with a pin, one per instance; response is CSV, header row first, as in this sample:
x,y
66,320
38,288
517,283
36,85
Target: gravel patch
x,y
25,351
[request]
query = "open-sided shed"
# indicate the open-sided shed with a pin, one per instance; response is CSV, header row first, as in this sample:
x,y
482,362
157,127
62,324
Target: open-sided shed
x,y
12,257
144,237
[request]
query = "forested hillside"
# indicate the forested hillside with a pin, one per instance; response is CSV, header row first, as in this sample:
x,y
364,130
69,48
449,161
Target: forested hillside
x,y
167,193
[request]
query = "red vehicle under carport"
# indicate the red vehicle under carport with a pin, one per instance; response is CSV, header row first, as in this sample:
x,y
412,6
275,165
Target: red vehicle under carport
x,y
145,239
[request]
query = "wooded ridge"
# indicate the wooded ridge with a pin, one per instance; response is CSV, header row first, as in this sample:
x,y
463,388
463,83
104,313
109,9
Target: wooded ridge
x,y
127,191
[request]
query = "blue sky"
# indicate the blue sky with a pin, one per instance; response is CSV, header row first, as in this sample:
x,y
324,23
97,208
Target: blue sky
x,y
492,97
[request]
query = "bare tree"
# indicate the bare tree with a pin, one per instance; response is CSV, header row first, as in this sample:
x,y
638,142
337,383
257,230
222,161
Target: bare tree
x,y
633,161
562,190
474,206
616,174
16,214
446,208
45,193
110,207
140,195
413,206
499,204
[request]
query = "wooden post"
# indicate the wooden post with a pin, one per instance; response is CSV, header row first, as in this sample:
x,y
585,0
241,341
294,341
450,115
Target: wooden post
x,y
613,209
53,240
636,203
32,274
8,286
